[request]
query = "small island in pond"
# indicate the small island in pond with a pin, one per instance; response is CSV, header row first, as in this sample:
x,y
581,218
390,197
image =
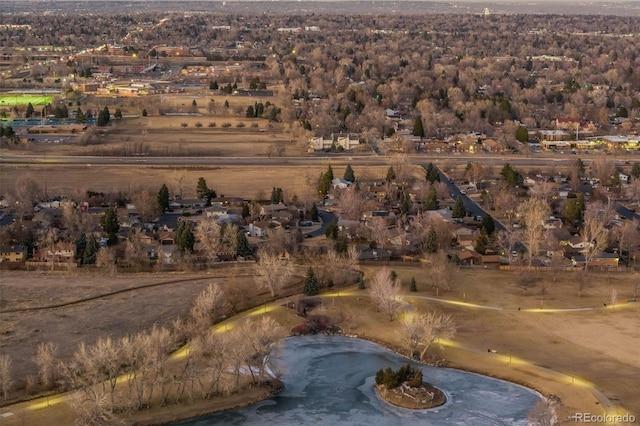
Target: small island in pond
x,y
405,388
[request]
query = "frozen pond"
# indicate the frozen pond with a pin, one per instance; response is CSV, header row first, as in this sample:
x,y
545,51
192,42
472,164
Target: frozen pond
x,y
329,381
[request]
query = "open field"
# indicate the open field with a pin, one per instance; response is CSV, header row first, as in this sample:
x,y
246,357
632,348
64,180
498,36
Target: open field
x,y
578,350
237,181
24,100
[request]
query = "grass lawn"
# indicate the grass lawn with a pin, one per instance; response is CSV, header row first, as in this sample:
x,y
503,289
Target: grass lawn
x,y
24,100
574,355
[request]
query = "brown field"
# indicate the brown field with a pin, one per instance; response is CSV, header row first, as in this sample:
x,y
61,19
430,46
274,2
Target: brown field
x,y
579,350
252,182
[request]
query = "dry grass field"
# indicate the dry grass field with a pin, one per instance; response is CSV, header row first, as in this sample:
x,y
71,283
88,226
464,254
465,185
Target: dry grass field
x,y
251,182
578,350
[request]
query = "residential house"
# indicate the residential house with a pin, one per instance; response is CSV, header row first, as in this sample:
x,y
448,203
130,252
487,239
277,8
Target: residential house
x,y
339,183
623,178
269,211
491,260
370,253
567,123
601,260
258,228
469,257
13,254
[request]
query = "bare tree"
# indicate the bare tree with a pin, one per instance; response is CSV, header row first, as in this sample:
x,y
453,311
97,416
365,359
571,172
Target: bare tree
x,y
505,202
533,213
542,414
272,272
215,348
146,205
6,376
352,203
542,189
105,355
424,329
385,293
628,235
262,336
204,310
443,272
45,360
594,233
136,252
106,258
93,408
603,168
412,331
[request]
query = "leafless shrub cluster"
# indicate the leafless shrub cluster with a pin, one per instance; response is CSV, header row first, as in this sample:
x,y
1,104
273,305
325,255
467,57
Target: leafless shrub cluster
x,y
423,329
385,293
112,377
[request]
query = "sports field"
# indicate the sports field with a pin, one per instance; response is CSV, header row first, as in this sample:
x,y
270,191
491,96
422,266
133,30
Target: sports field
x,y
24,100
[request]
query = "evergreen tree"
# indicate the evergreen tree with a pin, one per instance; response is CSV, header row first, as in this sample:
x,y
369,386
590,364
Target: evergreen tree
x,y
90,251
341,246
432,174
118,114
391,175
80,117
314,213
213,85
332,230
635,170
144,112
482,241
431,203
202,190
349,175
277,196
405,207
431,243
522,134
242,244
311,286
250,112
580,166
574,209
103,117
184,237
163,198
418,127
29,112
488,224
246,212
511,177
329,173
458,209
324,183
110,225
81,244
413,286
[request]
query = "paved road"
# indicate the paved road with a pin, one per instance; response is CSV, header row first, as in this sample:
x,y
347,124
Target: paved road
x,y
470,205
48,158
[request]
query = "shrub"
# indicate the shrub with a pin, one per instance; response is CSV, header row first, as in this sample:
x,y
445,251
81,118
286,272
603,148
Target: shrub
x,y
212,124
226,124
240,125
392,379
198,124
184,124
